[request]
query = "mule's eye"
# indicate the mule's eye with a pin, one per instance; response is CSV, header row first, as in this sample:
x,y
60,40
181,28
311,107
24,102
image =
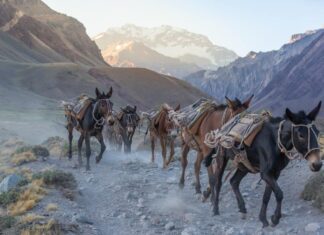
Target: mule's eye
x,y
301,136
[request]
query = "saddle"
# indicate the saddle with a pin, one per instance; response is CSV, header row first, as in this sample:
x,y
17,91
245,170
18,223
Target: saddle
x,y
200,111
239,131
78,108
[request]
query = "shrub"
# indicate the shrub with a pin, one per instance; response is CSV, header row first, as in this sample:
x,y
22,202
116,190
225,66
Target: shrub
x,y
28,198
7,222
9,197
57,178
23,158
314,190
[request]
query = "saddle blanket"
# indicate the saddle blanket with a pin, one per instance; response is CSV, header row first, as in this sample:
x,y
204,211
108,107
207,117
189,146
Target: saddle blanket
x,y
242,128
78,107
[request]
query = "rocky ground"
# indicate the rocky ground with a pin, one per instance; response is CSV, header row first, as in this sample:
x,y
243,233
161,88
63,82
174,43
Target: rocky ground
x,y
126,194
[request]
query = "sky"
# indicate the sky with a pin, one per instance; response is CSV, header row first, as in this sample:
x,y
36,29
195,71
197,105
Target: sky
x,y
240,25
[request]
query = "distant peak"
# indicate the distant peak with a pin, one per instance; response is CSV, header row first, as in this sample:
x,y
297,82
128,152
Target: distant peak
x,y
299,36
251,54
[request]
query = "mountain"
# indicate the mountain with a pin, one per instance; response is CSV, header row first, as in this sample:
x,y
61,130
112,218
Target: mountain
x,y
135,54
46,56
267,73
171,42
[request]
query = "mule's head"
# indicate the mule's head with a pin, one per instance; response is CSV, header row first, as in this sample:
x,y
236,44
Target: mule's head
x,y
171,123
104,105
130,118
305,136
236,106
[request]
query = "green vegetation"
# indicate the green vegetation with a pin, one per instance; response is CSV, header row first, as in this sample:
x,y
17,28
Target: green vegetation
x,y
314,190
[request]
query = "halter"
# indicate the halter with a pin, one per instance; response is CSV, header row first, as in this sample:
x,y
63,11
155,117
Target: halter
x,y
293,152
101,121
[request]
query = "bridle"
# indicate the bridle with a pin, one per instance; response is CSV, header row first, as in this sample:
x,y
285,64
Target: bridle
x,y
293,152
101,121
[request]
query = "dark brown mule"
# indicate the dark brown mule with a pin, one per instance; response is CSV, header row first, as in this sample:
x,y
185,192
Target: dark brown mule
x,y
91,124
212,120
162,127
125,125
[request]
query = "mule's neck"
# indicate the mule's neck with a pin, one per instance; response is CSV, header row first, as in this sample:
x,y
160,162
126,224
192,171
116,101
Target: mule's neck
x,y
285,134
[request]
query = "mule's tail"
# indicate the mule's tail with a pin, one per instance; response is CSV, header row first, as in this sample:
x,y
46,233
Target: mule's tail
x,y
209,157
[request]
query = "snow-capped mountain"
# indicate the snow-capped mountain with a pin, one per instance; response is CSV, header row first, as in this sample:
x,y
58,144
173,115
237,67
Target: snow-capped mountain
x,y
170,41
136,54
257,72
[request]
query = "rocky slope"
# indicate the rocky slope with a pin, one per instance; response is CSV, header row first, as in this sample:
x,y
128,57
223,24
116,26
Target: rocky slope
x,y
135,54
48,55
271,72
172,42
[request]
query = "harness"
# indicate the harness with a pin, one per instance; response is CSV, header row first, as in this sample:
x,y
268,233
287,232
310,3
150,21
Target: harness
x,y
101,121
293,152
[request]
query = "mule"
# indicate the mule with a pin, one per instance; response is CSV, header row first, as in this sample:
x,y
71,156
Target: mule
x,y
164,128
270,152
91,124
124,127
211,121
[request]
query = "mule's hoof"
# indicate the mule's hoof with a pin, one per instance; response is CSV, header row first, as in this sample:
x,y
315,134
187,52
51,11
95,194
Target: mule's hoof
x,y
181,185
88,168
98,159
243,215
206,194
215,212
265,224
274,220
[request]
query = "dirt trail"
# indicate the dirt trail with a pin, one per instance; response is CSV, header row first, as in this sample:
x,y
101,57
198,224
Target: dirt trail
x,y
126,194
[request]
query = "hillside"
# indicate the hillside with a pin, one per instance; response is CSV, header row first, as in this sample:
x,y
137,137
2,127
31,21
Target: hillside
x,y
271,72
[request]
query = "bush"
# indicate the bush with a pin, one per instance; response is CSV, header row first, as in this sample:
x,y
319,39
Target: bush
x,y
57,178
314,190
23,158
9,197
37,150
7,222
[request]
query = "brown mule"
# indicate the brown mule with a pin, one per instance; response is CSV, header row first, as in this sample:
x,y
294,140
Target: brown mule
x,y
163,127
193,137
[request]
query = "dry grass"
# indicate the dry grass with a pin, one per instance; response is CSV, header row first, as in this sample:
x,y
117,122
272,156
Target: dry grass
x,y
50,228
30,218
51,207
322,143
27,173
22,158
28,198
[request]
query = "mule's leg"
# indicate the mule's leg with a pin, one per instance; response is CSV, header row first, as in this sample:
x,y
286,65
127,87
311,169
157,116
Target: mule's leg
x,y
102,147
163,142
197,171
70,130
171,151
80,142
221,165
272,182
235,183
184,163
152,147
265,201
88,150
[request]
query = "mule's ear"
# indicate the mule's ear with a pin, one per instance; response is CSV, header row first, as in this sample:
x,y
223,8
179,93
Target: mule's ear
x,y
177,108
313,114
290,115
109,94
229,102
247,102
97,93
135,108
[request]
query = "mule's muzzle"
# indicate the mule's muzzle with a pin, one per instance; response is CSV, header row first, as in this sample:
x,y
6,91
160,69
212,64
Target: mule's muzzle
x,y
316,166
110,120
314,160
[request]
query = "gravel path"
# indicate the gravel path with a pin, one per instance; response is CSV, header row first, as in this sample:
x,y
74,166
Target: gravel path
x,y
126,194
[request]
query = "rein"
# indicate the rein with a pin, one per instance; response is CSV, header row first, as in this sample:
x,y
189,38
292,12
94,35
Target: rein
x,y
293,153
